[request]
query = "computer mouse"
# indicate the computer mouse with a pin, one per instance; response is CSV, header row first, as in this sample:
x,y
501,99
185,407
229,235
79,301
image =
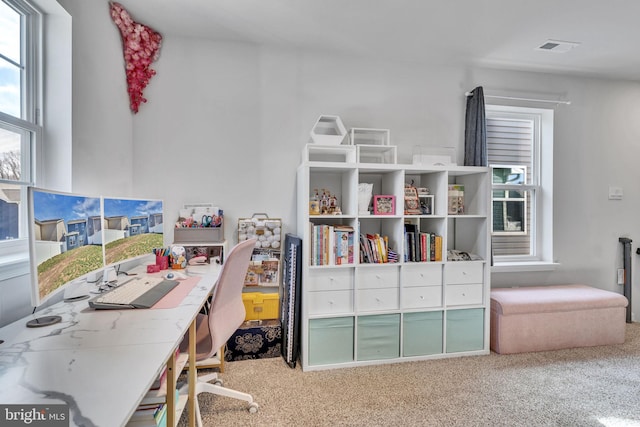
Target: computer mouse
x,y
175,275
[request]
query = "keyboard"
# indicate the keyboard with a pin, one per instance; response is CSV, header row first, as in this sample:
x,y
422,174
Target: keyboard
x,y
140,292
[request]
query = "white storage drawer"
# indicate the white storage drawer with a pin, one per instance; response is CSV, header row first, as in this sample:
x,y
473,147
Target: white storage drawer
x,y
422,275
330,302
378,299
330,279
463,294
463,272
380,277
422,297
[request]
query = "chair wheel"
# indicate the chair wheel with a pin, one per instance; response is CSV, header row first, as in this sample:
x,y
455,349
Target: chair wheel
x,y
253,407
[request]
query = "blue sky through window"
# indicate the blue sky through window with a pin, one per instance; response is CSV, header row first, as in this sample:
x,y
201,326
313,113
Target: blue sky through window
x,y
10,49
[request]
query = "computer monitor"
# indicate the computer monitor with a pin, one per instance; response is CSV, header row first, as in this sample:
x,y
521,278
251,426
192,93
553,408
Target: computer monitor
x,y
133,228
65,244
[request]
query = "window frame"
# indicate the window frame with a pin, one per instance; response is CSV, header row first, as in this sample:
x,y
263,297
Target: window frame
x,y
31,46
540,188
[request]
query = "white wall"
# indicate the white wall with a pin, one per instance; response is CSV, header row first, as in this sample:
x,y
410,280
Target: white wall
x,y
226,123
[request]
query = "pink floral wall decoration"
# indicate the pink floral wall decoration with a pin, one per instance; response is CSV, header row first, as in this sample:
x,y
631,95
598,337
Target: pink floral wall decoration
x,y
141,46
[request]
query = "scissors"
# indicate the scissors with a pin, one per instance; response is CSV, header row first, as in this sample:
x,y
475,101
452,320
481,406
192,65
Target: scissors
x,y
206,220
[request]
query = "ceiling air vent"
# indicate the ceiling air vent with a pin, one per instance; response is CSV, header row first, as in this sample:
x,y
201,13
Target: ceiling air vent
x,y
557,46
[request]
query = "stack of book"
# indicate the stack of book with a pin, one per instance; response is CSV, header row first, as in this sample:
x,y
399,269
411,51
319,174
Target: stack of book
x,y
149,416
421,246
331,244
374,249
152,411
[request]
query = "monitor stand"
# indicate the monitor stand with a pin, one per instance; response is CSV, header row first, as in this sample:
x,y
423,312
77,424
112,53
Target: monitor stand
x,y
43,321
76,291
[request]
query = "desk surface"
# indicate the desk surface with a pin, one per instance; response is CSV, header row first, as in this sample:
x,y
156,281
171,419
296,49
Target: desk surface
x,y
99,363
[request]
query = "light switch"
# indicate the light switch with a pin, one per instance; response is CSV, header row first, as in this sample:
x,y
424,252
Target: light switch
x,y
615,193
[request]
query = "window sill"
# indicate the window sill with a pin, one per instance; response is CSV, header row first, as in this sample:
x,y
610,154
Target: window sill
x,y
14,265
520,266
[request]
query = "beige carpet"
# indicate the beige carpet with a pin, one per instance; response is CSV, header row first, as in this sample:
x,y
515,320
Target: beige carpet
x,y
596,386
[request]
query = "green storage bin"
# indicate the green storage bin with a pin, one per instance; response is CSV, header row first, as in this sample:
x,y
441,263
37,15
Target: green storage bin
x,y
330,340
378,337
465,330
422,333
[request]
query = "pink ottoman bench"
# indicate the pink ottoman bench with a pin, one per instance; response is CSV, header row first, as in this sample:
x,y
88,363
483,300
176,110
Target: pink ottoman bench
x,y
543,318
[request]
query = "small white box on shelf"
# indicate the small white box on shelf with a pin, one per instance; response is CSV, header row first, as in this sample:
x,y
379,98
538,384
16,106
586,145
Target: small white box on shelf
x,y
328,130
386,154
368,136
329,153
434,156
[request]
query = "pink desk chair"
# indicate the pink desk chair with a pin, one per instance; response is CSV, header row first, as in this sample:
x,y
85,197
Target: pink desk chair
x,y
225,316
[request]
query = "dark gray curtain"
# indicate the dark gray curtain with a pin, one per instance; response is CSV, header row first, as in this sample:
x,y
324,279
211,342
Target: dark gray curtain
x,y
475,133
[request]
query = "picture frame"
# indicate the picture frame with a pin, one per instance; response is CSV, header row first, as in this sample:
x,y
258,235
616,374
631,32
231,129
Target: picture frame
x,y
384,204
426,204
411,201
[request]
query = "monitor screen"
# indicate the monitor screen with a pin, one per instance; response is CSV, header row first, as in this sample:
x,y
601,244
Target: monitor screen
x,y
65,240
133,228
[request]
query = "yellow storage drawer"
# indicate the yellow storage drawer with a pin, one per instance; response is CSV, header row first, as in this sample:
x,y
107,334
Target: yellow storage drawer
x,y
260,305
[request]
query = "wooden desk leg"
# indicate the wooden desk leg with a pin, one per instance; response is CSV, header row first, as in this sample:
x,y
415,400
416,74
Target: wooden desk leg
x,y
192,375
171,390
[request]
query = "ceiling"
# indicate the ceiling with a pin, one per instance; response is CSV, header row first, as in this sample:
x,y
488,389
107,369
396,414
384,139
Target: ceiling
x,y
492,33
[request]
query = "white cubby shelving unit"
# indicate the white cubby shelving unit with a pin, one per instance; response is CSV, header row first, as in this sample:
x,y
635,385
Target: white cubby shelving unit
x,y
360,313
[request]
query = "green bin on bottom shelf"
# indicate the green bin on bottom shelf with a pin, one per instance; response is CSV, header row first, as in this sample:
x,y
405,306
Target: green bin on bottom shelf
x,y
378,337
422,333
330,340
465,330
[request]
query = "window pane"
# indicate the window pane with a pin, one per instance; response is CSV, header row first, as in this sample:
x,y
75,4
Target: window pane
x,y
10,197
509,175
9,33
9,88
10,155
10,61
511,234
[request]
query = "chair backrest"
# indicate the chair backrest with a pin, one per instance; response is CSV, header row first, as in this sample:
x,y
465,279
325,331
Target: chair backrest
x,y
227,309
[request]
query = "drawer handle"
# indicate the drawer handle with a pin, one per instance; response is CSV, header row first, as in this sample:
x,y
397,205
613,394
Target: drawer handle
x,y
330,302
421,275
378,276
421,297
377,299
464,295
331,279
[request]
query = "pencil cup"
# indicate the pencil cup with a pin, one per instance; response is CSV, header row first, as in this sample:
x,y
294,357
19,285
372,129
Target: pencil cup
x,y
162,261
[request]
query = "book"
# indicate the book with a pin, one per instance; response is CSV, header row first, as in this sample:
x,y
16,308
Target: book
x,y
455,199
438,251
343,245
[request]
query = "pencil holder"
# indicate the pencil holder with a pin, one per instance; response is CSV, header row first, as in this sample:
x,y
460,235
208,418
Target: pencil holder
x,y
162,262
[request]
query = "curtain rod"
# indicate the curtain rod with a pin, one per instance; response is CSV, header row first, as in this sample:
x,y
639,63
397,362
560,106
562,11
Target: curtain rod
x,y
551,101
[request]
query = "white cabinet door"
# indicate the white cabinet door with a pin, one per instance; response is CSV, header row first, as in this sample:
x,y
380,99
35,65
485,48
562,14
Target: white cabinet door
x,y
377,299
463,272
330,302
421,274
422,297
376,277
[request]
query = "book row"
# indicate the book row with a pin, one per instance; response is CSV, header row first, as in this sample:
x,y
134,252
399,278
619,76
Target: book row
x,y
332,244
421,246
335,245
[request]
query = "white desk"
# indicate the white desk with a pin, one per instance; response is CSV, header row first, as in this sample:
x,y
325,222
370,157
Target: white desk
x,y
99,363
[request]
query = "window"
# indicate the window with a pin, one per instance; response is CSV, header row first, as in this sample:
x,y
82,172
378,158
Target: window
x,y
520,150
19,130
